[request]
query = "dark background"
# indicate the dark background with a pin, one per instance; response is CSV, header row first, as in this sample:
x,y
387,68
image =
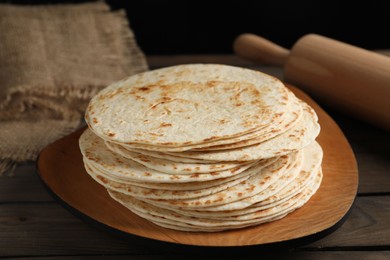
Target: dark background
x,y
180,27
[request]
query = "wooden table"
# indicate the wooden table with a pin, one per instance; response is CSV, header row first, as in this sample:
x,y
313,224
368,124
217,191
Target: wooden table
x,y
33,224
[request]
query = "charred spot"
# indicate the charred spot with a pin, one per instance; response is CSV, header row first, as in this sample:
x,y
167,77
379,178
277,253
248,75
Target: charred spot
x,y
95,120
165,124
233,170
144,89
119,161
111,134
251,188
147,174
195,175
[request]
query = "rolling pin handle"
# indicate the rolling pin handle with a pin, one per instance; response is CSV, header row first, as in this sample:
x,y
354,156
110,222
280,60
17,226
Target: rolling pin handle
x,y
255,48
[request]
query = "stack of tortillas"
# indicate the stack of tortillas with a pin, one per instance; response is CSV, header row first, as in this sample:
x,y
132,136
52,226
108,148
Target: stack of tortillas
x,y
203,147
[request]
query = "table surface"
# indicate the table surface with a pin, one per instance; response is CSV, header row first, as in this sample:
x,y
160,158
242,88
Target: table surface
x,y
33,224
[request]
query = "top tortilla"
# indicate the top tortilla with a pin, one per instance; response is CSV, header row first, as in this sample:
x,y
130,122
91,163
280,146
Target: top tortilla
x,y
187,104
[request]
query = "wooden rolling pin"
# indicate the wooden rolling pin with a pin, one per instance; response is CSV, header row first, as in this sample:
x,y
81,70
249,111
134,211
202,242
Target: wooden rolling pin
x,y
345,77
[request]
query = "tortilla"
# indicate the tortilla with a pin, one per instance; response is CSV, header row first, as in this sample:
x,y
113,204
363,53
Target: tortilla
x,y
187,104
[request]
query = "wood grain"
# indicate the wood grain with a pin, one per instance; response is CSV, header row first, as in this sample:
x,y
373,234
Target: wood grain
x,y
340,255
23,185
48,229
367,226
61,168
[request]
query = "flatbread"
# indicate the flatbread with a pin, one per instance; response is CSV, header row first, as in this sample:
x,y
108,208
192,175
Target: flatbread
x,y
95,153
298,137
255,184
203,147
171,167
292,116
187,104
174,220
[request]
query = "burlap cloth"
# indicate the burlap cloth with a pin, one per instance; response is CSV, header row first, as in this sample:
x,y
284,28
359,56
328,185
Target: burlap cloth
x,y
53,59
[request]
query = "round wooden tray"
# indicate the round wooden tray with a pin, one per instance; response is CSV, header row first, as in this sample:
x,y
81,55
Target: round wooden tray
x,y
61,169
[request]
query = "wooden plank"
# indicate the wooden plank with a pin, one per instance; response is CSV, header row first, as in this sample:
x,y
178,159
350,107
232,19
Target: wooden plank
x,y
374,172
23,186
48,229
367,226
341,255
371,149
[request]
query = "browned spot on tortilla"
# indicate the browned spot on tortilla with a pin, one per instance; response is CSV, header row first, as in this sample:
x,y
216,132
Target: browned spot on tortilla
x,y
210,138
147,174
119,160
251,188
195,175
175,177
165,124
144,89
111,134
95,121
167,143
155,134
220,198
233,170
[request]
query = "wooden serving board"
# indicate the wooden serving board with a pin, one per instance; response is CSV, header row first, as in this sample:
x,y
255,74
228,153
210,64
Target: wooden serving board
x,y
61,169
